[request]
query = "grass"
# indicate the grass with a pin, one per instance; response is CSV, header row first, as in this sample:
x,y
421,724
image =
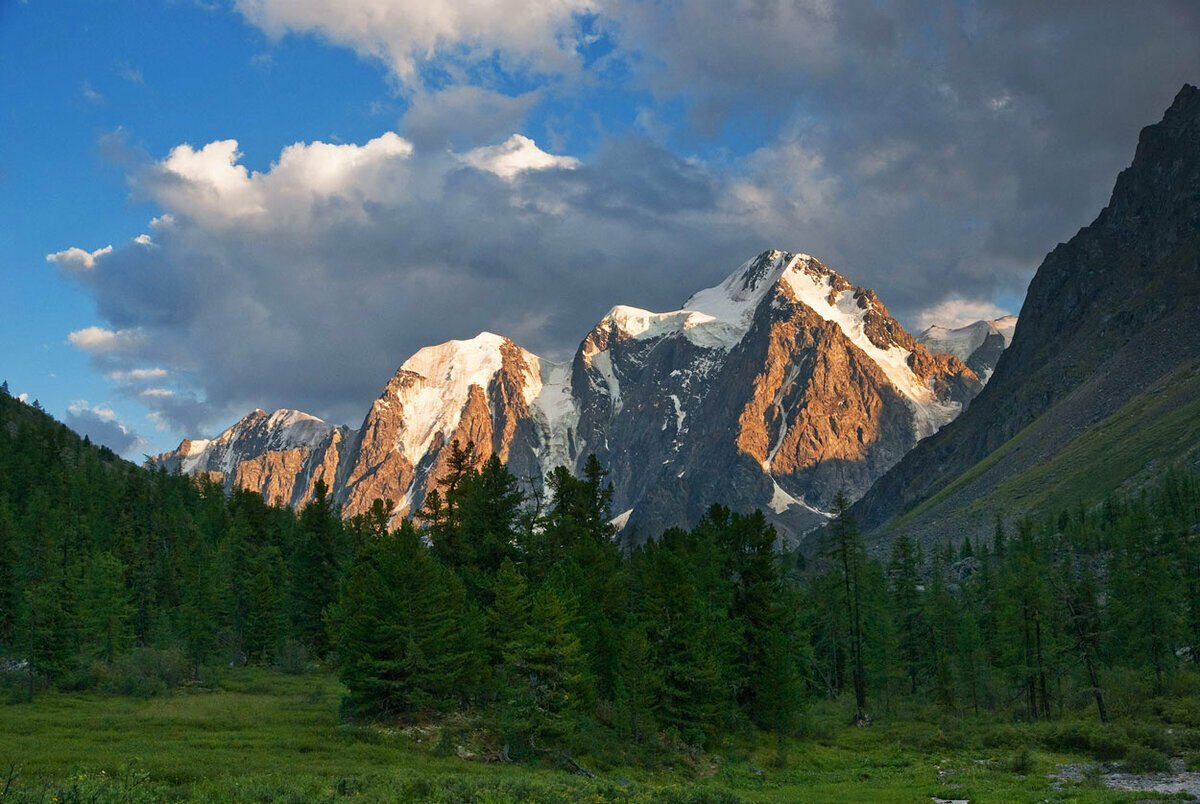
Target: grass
x,y
1159,425
265,736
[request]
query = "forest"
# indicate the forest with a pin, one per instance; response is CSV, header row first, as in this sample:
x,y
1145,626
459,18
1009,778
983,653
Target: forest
x,y
522,613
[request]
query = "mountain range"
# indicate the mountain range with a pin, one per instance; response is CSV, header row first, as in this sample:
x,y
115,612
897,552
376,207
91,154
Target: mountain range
x,y
774,389
786,383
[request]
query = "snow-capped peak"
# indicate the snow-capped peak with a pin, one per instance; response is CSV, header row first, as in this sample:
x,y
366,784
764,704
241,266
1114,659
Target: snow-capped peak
x,y
282,430
735,300
963,341
700,328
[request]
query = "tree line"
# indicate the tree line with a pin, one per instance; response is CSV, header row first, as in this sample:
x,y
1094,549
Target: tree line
x,y
526,614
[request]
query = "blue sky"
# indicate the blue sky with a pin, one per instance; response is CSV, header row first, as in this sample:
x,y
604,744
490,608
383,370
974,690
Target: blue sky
x,y
933,151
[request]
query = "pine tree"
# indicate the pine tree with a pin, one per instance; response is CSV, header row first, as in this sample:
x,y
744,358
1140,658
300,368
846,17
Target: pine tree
x,y
780,687
908,609
551,688
509,613
489,508
317,566
9,589
637,687
406,637
106,610
846,550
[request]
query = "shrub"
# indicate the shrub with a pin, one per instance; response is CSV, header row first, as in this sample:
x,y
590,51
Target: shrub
x,y
144,672
1141,759
1021,762
1101,742
292,658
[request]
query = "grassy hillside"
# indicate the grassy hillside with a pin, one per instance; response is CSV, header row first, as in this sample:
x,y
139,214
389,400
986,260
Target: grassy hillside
x,y
260,735
1156,430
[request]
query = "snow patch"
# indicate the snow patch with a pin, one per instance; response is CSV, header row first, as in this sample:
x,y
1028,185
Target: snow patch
x,y
434,404
841,307
963,341
621,520
555,412
699,328
781,501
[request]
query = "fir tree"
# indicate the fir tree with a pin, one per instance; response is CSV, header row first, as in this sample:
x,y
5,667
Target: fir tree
x,y
106,611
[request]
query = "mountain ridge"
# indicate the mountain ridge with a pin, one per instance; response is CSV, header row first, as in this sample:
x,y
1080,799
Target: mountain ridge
x,y
800,381
1110,319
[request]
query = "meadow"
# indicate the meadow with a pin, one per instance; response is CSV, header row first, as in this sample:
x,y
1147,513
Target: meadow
x,y
262,735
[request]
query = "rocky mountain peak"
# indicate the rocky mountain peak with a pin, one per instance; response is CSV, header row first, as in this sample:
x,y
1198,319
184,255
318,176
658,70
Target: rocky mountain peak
x,y
785,369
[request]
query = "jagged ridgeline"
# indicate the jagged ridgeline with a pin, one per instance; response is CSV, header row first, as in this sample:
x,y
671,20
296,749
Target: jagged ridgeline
x,y
772,390
1100,389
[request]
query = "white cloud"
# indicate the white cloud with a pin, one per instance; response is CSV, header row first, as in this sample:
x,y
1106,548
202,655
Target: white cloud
x,y
98,340
959,312
408,33
130,73
99,411
89,94
211,186
102,425
139,374
143,240
77,258
307,284
518,153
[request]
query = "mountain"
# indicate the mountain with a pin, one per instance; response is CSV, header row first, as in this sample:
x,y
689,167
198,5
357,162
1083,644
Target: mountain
x,y
773,389
1101,385
280,455
979,345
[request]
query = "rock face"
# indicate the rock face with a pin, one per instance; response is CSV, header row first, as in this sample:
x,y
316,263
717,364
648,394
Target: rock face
x,y
979,345
280,455
774,389
1101,380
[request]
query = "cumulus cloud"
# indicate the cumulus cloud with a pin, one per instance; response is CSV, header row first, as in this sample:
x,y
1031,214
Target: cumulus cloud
x,y
933,151
101,425
307,284
516,154
959,312
75,258
463,116
408,33
98,340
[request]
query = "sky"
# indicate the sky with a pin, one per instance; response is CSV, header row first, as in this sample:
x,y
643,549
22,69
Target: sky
x,y
209,207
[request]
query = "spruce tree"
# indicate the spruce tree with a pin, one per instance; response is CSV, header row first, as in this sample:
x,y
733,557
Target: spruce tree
x,y
846,551
317,566
106,610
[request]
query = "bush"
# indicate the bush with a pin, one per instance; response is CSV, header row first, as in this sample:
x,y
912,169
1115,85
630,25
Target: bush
x,y
1141,759
1151,737
1021,762
129,785
144,672
292,658
1101,742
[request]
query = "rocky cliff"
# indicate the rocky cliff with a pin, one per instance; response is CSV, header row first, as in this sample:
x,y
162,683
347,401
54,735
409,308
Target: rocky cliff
x,y
774,389
1102,380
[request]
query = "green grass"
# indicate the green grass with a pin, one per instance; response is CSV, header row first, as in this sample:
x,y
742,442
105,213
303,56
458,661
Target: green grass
x,y
1161,425
265,736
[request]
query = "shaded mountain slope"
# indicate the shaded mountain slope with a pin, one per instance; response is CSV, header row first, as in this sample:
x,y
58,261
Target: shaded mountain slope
x,y
1108,341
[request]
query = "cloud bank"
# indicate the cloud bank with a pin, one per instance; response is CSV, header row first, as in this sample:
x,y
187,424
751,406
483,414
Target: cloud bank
x,y
933,151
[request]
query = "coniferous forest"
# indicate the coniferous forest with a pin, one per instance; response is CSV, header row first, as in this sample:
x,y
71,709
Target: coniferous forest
x,y
524,615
